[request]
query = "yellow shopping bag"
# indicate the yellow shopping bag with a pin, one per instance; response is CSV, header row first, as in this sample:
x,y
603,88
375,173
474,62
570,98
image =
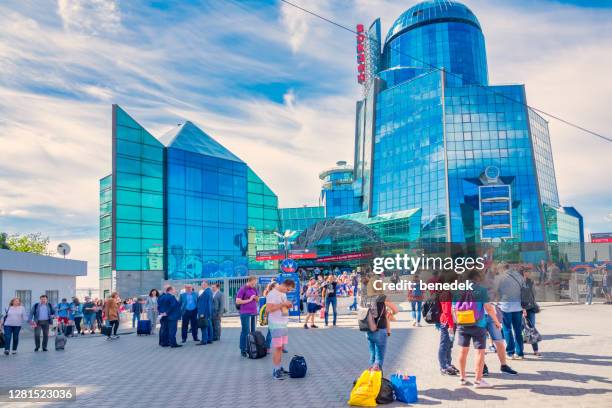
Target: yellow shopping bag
x,y
366,389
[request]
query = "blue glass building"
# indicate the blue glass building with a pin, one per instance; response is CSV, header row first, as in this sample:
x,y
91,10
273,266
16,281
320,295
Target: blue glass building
x,y
180,207
433,135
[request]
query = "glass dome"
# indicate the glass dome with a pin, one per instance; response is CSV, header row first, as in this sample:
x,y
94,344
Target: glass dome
x,y
431,11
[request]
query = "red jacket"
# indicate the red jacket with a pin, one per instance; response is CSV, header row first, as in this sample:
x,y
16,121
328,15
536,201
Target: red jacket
x,y
446,306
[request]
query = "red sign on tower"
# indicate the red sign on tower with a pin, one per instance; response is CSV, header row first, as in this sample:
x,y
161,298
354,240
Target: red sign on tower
x,y
361,56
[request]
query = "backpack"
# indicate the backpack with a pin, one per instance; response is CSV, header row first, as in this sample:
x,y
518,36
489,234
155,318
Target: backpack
x,y
256,345
367,318
431,311
297,367
386,395
527,298
468,311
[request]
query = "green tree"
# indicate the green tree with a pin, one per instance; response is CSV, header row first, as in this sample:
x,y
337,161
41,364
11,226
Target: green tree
x,y
3,237
33,243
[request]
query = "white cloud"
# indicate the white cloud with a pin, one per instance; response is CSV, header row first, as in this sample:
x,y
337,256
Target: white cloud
x,y
91,16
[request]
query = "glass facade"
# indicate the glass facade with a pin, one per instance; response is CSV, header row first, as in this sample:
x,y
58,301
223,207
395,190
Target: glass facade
x,y
183,205
263,221
337,193
106,227
207,216
431,125
300,218
138,196
438,34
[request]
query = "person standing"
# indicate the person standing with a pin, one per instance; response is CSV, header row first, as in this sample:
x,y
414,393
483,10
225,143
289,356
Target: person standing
x,y
246,300
204,314
218,309
415,297
170,310
89,314
530,308
589,280
508,287
137,307
278,307
447,334
470,307
41,319
63,314
14,318
111,311
76,315
313,303
151,308
377,340
607,279
189,301
329,294
355,285
99,312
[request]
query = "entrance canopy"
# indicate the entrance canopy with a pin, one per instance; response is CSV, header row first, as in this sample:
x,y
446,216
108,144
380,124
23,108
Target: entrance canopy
x,y
335,229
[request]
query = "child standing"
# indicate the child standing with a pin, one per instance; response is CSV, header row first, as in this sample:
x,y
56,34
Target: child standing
x,y
278,306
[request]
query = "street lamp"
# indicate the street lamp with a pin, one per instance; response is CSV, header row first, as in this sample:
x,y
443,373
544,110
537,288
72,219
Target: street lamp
x,y
285,237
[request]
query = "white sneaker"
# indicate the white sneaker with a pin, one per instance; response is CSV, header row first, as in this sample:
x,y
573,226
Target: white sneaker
x,y
481,384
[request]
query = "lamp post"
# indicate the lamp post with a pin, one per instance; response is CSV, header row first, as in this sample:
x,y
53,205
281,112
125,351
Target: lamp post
x,y
285,237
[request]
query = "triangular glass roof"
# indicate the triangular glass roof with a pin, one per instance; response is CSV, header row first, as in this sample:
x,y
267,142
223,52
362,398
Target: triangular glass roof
x,y
191,138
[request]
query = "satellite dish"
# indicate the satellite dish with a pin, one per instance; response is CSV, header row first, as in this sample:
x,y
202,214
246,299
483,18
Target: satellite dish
x,y
63,249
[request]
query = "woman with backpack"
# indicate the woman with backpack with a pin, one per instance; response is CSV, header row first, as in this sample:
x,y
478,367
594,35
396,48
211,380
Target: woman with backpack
x,y
531,307
377,340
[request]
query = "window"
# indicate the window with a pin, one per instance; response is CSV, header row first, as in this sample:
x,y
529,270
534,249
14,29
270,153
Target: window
x,y
53,296
26,299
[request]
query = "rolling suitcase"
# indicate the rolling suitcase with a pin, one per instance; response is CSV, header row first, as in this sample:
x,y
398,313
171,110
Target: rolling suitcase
x,y
60,339
106,330
143,328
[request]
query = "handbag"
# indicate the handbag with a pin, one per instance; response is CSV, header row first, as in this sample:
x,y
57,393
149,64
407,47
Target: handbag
x,y
530,333
405,387
202,322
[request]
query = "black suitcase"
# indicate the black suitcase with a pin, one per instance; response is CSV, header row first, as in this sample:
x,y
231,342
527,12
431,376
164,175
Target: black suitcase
x,y
143,328
106,330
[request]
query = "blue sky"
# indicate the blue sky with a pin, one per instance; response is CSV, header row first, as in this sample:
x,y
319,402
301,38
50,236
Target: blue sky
x,y
274,85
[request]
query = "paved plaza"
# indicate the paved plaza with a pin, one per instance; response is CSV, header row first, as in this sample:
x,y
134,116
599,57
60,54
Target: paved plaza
x,y
576,370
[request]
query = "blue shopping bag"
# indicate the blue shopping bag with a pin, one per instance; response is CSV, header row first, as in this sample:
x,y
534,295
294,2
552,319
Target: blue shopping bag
x,y
405,388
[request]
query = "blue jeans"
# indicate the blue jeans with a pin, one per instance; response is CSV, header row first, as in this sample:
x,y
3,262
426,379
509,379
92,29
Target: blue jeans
x,y
330,301
247,325
190,317
135,318
416,308
353,306
377,342
89,319
513,321
531,317
589,296
11,332
207,333
446,346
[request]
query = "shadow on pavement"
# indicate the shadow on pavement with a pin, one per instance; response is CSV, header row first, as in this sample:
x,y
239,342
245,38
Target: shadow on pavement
x,y
553,375
459,394
573,358
562,336
555,390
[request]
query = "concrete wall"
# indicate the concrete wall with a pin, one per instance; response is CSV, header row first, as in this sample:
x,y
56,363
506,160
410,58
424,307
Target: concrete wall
x,y
133,283
37,283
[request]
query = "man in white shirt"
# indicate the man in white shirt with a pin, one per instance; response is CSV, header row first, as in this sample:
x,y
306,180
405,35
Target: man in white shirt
x,y
278,307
